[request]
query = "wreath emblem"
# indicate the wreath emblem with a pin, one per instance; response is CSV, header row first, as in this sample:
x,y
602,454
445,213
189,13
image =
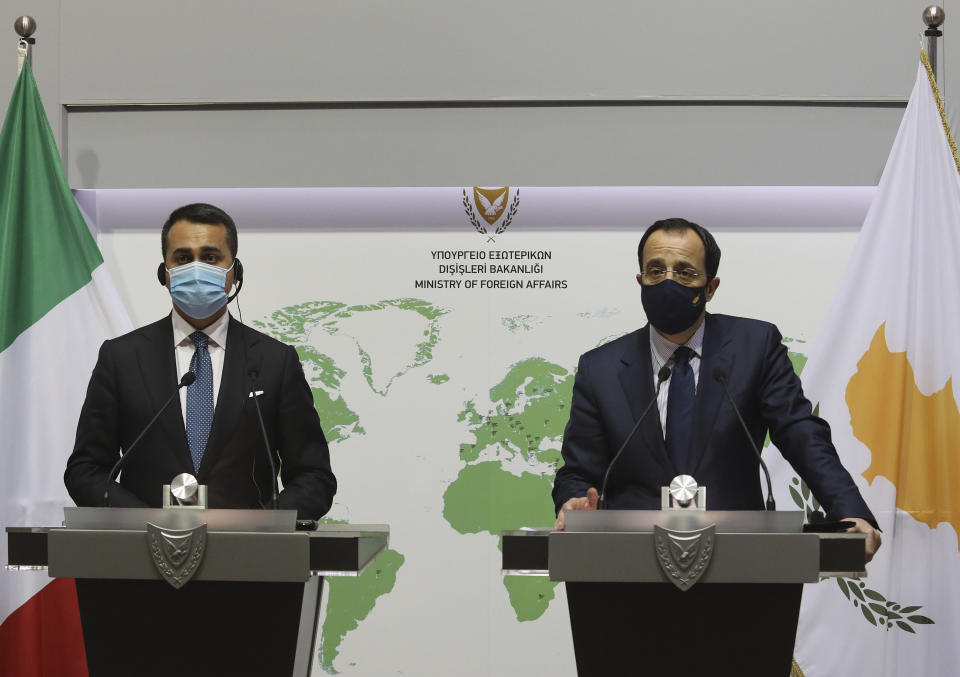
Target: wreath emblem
x,y
490,203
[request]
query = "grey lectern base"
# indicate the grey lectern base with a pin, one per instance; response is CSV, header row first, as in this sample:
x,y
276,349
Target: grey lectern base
x,y
250,608
635,629
627,617
148,628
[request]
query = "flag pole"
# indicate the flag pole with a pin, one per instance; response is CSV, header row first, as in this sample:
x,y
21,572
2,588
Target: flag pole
x,y
933,17
25,26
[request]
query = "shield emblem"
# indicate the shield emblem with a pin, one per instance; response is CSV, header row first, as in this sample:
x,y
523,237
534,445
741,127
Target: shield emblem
x,y
684,555
491,202
177,554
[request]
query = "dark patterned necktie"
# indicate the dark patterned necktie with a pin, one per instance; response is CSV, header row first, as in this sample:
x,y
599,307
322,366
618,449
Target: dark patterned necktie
x,y
680,401
199,399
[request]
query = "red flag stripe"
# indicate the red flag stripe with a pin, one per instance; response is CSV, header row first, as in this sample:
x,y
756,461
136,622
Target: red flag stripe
x,y
43,637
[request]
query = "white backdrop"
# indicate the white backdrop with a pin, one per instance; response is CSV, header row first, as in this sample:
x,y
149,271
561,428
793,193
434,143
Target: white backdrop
x,y
403,384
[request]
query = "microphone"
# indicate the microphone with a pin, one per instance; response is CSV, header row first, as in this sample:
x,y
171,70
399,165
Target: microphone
x,y
275,498
186,380
720,376
662,376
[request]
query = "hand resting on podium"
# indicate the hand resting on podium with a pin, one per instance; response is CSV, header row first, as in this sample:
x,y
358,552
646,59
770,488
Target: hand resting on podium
x,y
588,502
872,544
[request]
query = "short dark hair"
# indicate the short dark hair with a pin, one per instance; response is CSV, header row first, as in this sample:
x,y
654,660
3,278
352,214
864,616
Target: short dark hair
x,y
678,225
200,212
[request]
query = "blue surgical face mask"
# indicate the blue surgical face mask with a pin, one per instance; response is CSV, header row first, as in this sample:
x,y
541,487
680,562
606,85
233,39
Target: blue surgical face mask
x,y
672,307
197,288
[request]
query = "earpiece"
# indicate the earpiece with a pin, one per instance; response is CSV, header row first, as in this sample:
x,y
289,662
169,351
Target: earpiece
x,y
237,278
162,275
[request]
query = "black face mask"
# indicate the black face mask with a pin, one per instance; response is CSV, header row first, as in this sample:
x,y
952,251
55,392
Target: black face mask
x,y
671,307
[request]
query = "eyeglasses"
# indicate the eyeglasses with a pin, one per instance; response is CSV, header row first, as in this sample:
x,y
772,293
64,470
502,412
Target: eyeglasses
x,y
688,277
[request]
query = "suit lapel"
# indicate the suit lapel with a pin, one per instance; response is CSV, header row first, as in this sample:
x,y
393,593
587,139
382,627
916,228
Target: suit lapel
x,y
241,352
710,395
636,379
158,369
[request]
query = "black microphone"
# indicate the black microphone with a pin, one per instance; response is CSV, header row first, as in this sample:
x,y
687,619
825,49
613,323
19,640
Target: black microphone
x,y
720,376
275,498
186,380
662,376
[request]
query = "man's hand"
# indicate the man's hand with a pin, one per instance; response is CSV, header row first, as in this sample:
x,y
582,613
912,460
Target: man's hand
x,y
588,502
873,541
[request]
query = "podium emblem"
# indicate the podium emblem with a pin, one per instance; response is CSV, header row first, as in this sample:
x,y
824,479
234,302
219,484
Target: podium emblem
x,y
177,554
684,555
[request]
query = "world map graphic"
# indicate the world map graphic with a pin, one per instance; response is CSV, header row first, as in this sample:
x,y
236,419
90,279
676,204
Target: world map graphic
x,y
507,465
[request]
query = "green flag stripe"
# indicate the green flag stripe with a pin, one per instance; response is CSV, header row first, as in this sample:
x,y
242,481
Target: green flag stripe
x,y
46,251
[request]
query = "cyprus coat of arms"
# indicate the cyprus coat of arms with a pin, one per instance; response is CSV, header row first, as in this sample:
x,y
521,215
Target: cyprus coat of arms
x,y
177,554
491,204
684,555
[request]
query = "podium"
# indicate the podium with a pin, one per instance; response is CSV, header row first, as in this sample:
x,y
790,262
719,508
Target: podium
x,y
244,597
629,615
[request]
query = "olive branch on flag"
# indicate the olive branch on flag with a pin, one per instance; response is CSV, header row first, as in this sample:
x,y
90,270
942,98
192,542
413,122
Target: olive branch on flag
x,y
876,608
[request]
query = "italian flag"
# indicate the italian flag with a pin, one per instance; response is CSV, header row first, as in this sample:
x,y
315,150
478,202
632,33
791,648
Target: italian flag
x,y
57,305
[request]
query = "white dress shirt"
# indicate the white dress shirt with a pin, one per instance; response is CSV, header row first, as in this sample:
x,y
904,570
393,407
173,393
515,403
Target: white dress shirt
x,y
661,353
184,349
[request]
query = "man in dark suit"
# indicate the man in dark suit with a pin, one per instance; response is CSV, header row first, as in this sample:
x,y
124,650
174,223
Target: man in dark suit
x,y
694,430
214,433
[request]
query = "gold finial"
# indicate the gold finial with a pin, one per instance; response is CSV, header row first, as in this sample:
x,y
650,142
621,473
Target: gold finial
x,y
25,26
933,16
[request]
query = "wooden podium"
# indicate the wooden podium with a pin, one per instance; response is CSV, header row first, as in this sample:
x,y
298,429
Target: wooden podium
x,y
249,595
629,613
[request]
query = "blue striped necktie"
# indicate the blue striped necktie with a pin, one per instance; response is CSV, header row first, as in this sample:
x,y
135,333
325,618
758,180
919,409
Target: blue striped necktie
x,y
199,399
680,402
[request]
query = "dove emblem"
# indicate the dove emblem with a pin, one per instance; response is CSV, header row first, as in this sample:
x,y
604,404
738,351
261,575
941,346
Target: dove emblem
x,y
490,202
494,207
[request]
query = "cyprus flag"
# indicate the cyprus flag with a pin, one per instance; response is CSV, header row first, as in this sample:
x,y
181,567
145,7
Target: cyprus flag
x,y
882,370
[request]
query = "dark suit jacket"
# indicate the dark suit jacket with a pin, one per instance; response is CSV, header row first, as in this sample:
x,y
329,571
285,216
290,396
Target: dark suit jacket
x,y
134,376
615,382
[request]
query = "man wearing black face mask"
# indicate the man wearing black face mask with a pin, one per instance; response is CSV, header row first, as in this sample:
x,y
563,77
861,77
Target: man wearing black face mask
x,y
697,432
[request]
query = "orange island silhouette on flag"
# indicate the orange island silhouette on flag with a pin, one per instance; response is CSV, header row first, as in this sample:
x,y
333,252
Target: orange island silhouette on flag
x,y
913,438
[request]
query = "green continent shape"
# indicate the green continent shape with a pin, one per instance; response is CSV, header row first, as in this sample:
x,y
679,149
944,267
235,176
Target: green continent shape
x,y
520,422
529,595
339,421
350,600
294,324
485,497
517,323
438,379
799,361
531,405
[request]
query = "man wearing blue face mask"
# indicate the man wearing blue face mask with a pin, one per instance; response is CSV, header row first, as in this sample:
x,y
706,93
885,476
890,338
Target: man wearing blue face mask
x,y
694,430
215,433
